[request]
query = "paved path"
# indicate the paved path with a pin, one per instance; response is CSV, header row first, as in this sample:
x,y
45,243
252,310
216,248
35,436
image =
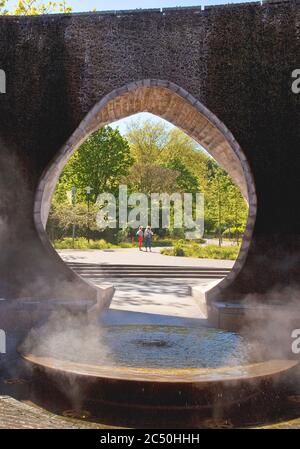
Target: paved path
x,y
133,256
168,298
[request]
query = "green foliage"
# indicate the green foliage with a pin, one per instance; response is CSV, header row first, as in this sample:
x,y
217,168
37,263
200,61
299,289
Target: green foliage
x,y
224,204
181,147
234,232
165,159
81,243
151,159
100,163
146,140
67,215
178,250
3,10
185,180
34,7
151,178
203,252
153,145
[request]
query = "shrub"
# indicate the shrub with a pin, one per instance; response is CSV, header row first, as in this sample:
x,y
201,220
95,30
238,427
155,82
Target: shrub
x,y
203,252
99,244
167,251
178,251
80,243
233,232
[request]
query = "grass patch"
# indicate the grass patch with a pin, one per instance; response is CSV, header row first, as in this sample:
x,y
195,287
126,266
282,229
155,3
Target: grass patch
x,y
82,243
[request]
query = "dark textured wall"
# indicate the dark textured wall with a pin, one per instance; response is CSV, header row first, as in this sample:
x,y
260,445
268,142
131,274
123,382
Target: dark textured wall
x,y
237,60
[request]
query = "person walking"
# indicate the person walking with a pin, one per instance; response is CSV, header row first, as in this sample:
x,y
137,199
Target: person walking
x,y
140,235
148,238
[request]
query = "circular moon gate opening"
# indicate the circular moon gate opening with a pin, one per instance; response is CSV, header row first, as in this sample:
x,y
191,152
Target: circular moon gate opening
x,y
172,103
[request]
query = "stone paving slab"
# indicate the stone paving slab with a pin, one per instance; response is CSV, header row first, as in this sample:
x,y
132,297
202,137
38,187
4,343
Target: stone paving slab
x,y
19,415
169,297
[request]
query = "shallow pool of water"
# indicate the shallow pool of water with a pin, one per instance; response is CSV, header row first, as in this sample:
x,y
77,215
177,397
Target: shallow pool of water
x,y
154,347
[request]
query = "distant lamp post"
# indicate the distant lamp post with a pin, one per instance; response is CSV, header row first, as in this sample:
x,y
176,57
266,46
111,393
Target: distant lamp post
x,y
88,196
73,190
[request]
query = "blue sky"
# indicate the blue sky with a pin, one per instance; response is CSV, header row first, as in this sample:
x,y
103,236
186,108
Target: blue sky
x,y
142,116
101,5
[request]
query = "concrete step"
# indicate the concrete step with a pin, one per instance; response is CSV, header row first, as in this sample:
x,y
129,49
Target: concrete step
x,y
133,272
151,275
143,267
99,271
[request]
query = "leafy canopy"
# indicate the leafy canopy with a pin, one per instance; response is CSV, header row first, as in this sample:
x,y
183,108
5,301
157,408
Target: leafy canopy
x,y
100,163
167,160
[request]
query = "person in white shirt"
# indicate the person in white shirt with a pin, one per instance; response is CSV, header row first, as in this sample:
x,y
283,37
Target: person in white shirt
x,y
148,238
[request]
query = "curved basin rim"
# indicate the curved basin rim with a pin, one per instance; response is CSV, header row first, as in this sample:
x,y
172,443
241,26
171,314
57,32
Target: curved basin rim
x,y
251,372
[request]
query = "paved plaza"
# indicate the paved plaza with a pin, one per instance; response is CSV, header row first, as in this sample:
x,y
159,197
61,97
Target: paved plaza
x,y
135,257
142,299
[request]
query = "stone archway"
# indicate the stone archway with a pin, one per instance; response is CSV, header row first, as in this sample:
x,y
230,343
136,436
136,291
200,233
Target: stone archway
x,y
169,101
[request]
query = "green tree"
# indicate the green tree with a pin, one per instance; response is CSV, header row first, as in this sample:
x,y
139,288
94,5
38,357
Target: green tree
x,y
146,140
185,181
63,217
161,155
154,145
186,150
156,159
100,163
151,178
225,206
